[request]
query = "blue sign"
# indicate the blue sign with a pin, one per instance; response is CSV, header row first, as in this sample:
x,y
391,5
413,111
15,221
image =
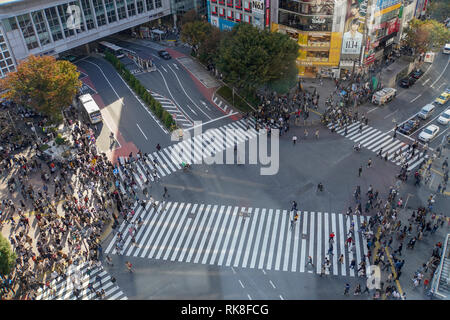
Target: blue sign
x,y
208,9
383,4
226,25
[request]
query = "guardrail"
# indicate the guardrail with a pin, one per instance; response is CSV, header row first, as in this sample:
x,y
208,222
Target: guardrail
x,y
436,280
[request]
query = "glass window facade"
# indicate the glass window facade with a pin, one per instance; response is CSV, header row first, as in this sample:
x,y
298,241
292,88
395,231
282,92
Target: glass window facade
x,y
149,4
53,21
9,24
140,6
88,16
158,3
68,30
110,11
6,63
28,31
99,10
305,23
121,9
131,8
41,28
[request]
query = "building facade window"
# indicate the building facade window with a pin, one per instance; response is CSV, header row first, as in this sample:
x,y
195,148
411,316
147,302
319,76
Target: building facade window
x,y
140,6
305,23
110,11
149,5
41,28
53,22
88,16
62,10
99,12
9,24
229,3
158,3
121,9
131,8
27,31
238,4
6,63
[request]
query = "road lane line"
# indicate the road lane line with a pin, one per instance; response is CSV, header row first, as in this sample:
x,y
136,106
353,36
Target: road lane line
x,y
448,61
142,132
390,114
416,98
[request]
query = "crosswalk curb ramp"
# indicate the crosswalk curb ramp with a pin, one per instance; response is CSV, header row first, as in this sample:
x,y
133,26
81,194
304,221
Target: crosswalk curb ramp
x,y
254,238
64,288
374,140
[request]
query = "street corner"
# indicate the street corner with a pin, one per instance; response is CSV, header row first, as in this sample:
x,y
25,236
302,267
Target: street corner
x,y
175,53
123,151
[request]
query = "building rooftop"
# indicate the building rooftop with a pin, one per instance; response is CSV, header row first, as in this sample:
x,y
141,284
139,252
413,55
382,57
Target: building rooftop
x,y
3,2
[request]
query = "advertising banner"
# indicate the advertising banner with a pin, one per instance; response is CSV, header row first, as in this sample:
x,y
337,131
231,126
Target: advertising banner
x,y
354,27
208,10
226,25
257,6
335,45
267,23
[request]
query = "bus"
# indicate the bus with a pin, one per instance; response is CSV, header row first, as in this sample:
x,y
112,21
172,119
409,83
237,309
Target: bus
x,y
115,50
90,108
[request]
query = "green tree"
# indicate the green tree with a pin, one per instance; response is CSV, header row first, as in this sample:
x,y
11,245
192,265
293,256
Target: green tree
x,y
43,84
207,52
194,33
428,35
7,257
439,9
189,16
249,58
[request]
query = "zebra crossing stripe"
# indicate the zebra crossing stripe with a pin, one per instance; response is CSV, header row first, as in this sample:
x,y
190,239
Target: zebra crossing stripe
x,y
108,249
280,241
288,241
242,239
375,133
187,224
266,238
272,241
366,134
326,234
233,242
311,236
182,221
258,238
295,235
339,237
197,234
319,242
161,164
142,237
192,231
376,143
207,228
145,218
350,252
250,236
220,217
175,221
227,237
221,233
168,220
356,238
305,230
168,161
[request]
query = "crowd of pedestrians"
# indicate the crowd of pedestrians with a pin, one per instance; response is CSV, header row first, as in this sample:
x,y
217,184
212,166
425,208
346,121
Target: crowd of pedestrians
x,y
59,224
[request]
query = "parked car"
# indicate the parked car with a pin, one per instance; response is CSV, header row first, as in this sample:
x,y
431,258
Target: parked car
x,y
416,73
409,127
407,82
426,111
443,98
164,54
384,95
429,133
444,118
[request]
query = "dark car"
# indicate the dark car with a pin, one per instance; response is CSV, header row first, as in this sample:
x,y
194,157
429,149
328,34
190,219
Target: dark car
x,y
164,54
407,82
416,73
409,127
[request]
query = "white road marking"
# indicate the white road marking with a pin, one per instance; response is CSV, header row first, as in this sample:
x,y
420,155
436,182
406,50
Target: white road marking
x,y
423,84
175,65
272,284
204,103
249,298
390,114
241,284
448,61
264,271
164,68
216,119
234,272
416,98
281,297
373,109
443,84
191,109
142,132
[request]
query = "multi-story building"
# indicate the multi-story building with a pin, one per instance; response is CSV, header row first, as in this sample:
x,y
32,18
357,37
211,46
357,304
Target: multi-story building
x,y
224,14
317,26
180,7
50,27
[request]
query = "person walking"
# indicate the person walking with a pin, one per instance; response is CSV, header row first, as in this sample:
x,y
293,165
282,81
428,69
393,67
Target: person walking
x,y
369,163
129,266
109,260
341,259
317,134
309,262
293,221
294,140
158,147
347,289
305,133
359,171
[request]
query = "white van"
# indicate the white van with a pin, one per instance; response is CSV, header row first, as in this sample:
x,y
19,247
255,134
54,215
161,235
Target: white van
x,y
426,111
383,96
446,49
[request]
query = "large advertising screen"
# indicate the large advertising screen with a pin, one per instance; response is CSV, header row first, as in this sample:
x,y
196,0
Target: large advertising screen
x,y
355,20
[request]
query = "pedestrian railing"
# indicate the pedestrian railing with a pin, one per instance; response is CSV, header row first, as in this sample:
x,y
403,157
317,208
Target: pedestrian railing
x,y
439,272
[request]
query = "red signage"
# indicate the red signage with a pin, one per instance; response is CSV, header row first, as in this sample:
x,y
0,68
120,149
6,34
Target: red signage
x,y
370,59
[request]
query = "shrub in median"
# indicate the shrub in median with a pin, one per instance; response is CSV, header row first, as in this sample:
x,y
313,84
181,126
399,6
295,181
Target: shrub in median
x,y
140,90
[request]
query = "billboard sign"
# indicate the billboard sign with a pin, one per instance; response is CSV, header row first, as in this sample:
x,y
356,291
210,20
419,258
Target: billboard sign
x,y
354,27
226,25
257,6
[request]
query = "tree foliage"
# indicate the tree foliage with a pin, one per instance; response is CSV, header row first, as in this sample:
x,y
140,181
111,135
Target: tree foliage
x,y
209,48
428,35
439,9
189,16
195,33
43,84
7,257
249,58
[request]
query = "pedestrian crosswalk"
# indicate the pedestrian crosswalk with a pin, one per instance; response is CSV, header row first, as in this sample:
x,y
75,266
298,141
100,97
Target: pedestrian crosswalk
x,y
375,140
255,238
183,121
193,150
80,277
